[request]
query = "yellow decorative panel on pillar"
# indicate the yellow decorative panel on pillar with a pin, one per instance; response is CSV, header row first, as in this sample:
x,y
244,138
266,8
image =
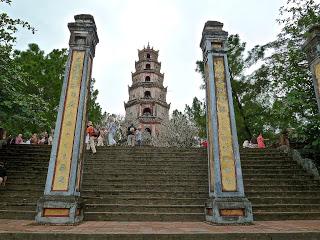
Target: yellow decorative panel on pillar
x,y
56,212
210,132
84,119
226,153
317,74
232,212
68,125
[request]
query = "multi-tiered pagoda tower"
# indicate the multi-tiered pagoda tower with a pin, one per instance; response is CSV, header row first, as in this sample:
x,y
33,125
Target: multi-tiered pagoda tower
x,y
147,95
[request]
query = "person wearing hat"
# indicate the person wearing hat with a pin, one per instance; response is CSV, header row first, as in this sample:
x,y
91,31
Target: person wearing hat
x,y
138,134
91,133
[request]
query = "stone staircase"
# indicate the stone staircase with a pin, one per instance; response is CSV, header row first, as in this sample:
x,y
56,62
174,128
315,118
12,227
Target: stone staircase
x,y
158,184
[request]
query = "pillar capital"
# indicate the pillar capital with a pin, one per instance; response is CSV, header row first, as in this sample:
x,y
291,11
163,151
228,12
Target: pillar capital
x,y
83,33
312,43
213,36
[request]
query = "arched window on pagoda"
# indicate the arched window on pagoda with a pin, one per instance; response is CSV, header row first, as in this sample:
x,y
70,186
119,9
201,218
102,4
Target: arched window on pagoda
x,y
148,66
147,79
148,56
146,112
147,94
148,130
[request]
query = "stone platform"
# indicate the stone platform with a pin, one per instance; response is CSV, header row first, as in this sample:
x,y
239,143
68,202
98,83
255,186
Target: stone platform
x,y
260,230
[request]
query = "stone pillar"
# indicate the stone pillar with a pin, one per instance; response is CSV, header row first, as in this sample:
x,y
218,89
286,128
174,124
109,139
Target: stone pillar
x,y
312,48
227,202
61,203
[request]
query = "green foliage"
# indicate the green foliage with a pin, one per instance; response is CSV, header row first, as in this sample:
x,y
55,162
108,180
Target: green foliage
x,y
31,82
44,75
197,113
39,92
9,26
279,94
95,112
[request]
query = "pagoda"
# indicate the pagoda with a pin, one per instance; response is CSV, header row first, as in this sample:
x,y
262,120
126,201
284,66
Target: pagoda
x,y
147,103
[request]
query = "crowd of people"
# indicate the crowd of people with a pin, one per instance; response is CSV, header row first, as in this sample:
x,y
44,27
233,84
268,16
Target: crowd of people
x,y
258,142
42,138
106,135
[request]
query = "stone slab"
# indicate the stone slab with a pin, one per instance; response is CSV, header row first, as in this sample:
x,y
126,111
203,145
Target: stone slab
x,y
266,230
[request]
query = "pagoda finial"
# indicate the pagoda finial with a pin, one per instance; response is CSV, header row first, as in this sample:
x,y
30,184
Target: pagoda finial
x,y
148,45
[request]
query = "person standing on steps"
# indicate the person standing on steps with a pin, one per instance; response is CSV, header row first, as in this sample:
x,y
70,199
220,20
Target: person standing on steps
x,y
111,128
3,141
100,139
3,174
91,133
131,137
138,135
260,141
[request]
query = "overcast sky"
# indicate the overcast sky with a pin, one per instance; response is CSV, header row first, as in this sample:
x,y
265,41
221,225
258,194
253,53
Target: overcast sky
x,y
171,26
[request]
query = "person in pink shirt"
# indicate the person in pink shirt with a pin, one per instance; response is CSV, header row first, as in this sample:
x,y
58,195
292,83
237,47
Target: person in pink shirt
x,y
260,141
19,139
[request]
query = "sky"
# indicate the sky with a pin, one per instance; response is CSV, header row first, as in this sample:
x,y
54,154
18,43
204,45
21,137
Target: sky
x,y
173,27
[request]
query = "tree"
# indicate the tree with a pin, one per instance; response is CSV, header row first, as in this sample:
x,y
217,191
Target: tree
x,y
12,80
197,114
285,75
279,94
44,74
95,111
178,131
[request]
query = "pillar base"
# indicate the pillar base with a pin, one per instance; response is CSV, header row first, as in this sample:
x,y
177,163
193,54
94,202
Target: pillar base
x,y
59,210
229,210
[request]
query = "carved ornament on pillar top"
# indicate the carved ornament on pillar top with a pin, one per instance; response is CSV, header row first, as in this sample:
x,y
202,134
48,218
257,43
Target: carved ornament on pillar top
x,y
312,44
213,32
83,33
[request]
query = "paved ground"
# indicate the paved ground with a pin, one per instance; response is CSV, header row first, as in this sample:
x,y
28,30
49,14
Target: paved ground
x,y
302,226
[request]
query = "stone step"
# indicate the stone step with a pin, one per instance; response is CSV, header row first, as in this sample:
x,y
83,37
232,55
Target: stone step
x,y
143,216
184,159
286,208
263,194
270,200
279,216
146,193
22,206
17,214
144,200
161,186
144,208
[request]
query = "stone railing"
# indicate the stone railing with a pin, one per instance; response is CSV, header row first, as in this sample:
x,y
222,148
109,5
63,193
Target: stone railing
x,y
307,164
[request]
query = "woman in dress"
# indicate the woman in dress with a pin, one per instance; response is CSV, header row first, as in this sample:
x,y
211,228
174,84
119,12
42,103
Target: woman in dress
x,y
111,129
260,141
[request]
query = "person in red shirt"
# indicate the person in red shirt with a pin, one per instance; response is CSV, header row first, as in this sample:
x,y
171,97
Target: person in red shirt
x,y
91,133
205,143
